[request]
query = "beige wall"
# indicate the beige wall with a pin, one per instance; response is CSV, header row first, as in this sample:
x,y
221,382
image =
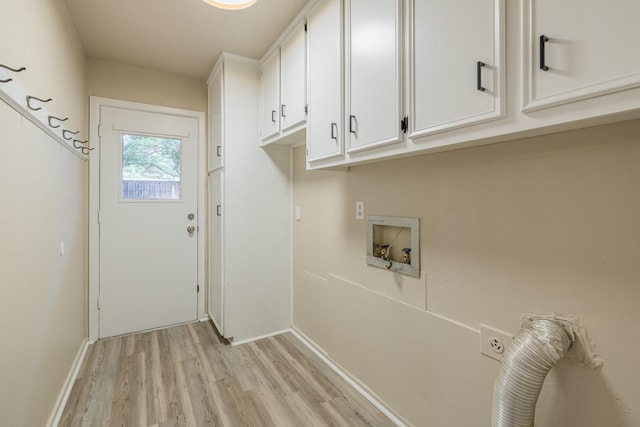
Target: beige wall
x,y
546,224
43,308
118,81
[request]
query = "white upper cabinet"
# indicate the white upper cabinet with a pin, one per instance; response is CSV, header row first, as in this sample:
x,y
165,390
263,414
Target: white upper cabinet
x,y
293,71
283,89
216,136
437,70
579,49
457,64
373,73
270,96
324,124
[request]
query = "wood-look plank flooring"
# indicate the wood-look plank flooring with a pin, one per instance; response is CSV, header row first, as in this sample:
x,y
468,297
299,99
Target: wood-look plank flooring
x,y
188,376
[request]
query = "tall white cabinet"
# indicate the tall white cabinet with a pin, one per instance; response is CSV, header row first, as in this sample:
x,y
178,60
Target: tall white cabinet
x,y
249,292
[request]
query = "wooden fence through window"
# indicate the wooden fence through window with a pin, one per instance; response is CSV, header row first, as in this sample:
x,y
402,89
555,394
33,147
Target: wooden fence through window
x,y
150,190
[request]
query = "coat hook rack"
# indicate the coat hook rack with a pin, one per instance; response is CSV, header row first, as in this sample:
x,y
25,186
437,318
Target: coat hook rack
x,y
65,132
58,119
77,147
15,70
29,98
85,150
79,142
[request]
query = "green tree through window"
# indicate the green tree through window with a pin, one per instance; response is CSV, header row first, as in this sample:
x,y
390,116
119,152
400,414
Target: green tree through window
x,y
151,168
150,158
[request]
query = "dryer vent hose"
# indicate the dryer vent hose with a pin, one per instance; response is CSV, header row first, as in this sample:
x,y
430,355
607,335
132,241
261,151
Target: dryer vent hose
x,y
534,351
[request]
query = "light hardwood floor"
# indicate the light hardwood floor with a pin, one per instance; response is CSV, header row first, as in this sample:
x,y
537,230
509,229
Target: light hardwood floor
x,y
187,376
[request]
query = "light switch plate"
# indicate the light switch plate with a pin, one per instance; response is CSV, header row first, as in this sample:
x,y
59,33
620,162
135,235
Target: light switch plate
x,y
359,210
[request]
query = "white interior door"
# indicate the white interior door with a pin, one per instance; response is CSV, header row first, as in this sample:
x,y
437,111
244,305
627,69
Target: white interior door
x,y
148,220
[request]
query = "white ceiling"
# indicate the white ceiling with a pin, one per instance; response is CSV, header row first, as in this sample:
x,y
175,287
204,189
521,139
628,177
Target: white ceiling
x,y
183,37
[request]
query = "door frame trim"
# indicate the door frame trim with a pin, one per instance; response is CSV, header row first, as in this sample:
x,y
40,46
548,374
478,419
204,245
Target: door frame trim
x,y
95,105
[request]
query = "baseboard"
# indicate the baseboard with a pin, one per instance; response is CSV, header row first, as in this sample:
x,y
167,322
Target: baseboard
x,y
375,401
61,402
235,343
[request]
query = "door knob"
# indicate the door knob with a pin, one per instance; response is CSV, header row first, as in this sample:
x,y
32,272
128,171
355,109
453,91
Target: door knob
x,y
191,229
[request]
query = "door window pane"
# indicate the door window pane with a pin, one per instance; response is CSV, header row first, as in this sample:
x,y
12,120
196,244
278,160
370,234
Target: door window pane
x,y
151,168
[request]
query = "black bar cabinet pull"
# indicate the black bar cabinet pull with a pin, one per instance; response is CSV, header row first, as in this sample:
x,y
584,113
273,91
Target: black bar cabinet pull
x,y
219,151
543,40
334,131
219,210
273,116
352,128
282,107
479,66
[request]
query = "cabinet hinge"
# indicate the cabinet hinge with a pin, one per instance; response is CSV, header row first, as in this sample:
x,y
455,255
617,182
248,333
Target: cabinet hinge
x,y
98,303
99,218
305,26
404,124
98,130
198,288
306,109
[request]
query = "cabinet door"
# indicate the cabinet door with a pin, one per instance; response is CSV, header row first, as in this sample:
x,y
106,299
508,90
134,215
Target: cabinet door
x,y
216,136
591,49
216,281
324,124
293,70
457,64
270,96
373,73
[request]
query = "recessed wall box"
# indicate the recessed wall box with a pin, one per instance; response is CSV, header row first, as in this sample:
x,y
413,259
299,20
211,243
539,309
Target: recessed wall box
x,y
393,243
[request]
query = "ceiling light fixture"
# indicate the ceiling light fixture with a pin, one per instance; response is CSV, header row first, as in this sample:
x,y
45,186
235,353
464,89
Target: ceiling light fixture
x,y
231,4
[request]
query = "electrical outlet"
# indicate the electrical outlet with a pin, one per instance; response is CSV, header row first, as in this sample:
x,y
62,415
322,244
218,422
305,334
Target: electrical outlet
x,y
494,342
359,210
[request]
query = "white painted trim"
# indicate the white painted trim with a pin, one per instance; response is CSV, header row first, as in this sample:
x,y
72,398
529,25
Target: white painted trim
x,y
61,402
95,104
292,222
375,401
261,337
203,159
